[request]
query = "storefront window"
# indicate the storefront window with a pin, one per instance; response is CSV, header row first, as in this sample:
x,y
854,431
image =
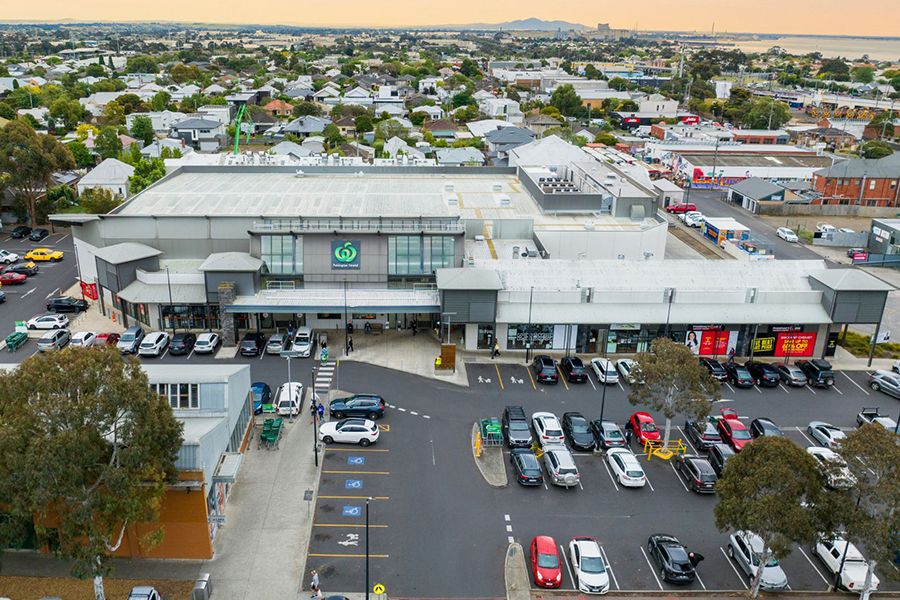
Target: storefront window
x,y
189,316
283,254
485,336
180,395
419,255
540,336
141,312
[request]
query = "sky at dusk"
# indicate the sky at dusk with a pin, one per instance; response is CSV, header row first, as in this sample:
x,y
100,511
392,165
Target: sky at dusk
x,y
833,17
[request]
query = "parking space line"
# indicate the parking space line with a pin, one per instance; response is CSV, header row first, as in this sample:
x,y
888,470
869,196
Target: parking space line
x,y
854,383
347,525
805,436
678,475
591,380
783,388
608,472
562,377
190,355
729,386
647,479
697,575
358,472
566,560
619,383
261,354
355,497
164,354
837,389
810,389
500,379
686,438
756,387
351,555
652,570
609,567
813,565
733,568
527,370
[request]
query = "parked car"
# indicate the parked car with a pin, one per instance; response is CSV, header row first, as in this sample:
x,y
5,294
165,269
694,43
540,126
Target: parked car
x,y
826,434
702,434
625,366
260,395
825,228
545,563
527,467
38,234
738,376
84,338
289,399
515,427
252,344
607,434
718,456
62,304
22,231
885,381
370,406
7,257
544,369
154,344
278,342
853,251
144,592
28,269
560,465
697,472
547,429
846,230
837,552
716,370
764,374
573,369
53,340
47,322
874,416
833,467
733,432
131,340
2,297
746,549
45,254
588,566
790,374
206,343
763,427
818,372
349,431
787,235
681,207
8,278
671,557
107,339
604,370
644,429
578,431
695,220
625,467
304,342
182,343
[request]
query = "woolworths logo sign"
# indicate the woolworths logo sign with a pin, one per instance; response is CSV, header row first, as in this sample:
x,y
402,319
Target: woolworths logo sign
x,y
345,254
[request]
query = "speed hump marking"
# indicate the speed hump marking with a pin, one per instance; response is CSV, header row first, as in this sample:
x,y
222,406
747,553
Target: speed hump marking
x,y
378,589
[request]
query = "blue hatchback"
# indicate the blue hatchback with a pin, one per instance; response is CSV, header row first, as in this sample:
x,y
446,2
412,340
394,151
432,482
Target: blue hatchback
x,y
261,394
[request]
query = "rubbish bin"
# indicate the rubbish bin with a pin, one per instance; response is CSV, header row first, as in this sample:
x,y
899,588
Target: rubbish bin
x,y
202,588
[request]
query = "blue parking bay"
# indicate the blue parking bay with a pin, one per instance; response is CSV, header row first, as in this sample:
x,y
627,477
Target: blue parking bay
x,y
356,460
352,511
353,484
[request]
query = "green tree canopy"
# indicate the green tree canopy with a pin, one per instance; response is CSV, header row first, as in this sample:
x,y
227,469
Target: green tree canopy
x,y
146,172
619,84
83,157
418,117
876,149
363,123
863,74
883,124
67,113
304,108
469,68
566,100
142,129
99,201
160,100
7,111
591,72
141,64
107,143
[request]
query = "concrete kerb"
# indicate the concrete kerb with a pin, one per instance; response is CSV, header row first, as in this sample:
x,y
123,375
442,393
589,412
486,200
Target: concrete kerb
x,y
490,464
515,574
300,590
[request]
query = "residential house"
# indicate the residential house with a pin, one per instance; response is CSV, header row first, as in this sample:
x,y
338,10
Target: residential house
x,y
180,93
291,149
367,153
387,96
214,89
659,105
222,113
300,93
460,157
303,127
395,146
155,148
428,85
314,143
279,108
434,112
262,122
860,182
327,95
501,108
393,111
504,139
482,127
126,140
358,96
162,120
347,126
112,174
441,128
201,134
540,123
830,136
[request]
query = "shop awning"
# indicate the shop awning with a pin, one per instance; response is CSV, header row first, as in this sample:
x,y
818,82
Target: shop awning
x,y
227,469
334,300
158,293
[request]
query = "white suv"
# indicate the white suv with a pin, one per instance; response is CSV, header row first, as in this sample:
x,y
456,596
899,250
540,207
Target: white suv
x,y
549,431
154,344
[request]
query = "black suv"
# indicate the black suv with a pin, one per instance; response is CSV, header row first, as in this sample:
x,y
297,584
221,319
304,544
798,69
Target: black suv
x,y
716,371
818,372
38,234
763,427
573,369
702,434
528,469
738,375
22,231
66,304
252,344
544,369
578,431
764,373
515,427
370,406
182,343
718,456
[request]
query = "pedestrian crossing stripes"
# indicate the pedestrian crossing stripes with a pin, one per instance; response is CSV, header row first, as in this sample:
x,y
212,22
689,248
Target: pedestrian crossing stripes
x,y
324,377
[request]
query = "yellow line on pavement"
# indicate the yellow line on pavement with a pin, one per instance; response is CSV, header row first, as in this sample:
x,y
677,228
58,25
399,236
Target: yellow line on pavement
x,y
352,555
490,245
558,370
361,472
500,379
530,377
357,497
342,525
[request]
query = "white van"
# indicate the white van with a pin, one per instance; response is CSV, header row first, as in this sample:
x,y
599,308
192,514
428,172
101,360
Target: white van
x,y
289,399
304,342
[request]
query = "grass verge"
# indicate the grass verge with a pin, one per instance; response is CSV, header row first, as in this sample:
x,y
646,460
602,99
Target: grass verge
x,y
858,345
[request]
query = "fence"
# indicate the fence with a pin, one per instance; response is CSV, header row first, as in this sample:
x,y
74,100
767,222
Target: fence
x,y
825,210
880,260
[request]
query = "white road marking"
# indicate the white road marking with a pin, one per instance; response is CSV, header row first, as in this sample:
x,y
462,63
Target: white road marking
x,y
810,389
686,438
412,412
652,570
703,585
261,354
729,387
63,237
854,383
619,383
678,475
425,417
733,568
784,388
647,479
591,379
608,472
506,518
756,387
579,485
509,528
190,355
609,567
31,291
53,293
511,540
402,409
566,560
164,354
800,431
813,565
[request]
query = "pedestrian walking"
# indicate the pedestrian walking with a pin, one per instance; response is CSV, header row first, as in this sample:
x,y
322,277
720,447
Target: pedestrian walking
x,y
291,331
367,328
628,434
320,409
415,326
317,594
350,327
314,584
695,558
496,350
731,356
349,344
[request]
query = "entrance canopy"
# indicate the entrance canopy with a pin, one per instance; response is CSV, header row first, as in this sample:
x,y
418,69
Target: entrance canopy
x,y
336,300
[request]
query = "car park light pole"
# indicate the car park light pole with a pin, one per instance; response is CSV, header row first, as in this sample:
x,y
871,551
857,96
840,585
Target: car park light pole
x,y
288,355
315,412
369,499
603,394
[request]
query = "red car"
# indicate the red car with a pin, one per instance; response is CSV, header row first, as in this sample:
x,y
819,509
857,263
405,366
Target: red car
x,y
681,208
644,428
12,279
733,431
110,339
545,562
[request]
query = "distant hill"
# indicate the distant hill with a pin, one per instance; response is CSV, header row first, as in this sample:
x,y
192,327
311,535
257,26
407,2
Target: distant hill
x,y
531,24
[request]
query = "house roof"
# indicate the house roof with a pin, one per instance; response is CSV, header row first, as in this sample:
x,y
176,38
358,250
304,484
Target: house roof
x,y
887,167
196,124
231,261
541,120
439,125
346,122
509,135
125,252
278,104
307,124
459,156
290,148
110,170
756,188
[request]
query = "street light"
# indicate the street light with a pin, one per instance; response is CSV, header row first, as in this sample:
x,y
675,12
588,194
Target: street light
x,y
530,330
312,396
171,305
346,323
369,499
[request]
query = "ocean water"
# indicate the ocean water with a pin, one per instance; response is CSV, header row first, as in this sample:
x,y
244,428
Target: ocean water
x,y
849,48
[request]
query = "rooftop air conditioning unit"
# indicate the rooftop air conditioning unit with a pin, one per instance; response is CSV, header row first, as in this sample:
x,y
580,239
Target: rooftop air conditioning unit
x,y
479,238
504,200
498,187
299,173
515,252
448,187
589,225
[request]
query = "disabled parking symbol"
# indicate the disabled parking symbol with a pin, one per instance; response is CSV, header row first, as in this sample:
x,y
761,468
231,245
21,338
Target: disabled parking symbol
x,y
353,484
356,460
352,511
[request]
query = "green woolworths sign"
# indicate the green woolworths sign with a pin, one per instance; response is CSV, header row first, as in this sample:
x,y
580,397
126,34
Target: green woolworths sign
x,y
345,254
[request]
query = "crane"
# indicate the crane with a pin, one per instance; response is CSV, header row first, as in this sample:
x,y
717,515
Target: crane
x,y
242,114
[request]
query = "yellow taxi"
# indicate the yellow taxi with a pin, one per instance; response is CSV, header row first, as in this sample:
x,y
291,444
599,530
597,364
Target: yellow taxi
x,y
44,254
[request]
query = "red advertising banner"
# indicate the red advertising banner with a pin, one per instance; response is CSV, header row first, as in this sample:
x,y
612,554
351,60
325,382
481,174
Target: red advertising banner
x,y
89,290
798,344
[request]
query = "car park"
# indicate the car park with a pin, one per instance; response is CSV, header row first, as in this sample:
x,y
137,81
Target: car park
x,y
885,381
107,339
718,456
578,431
182,343
874,416
626,468
154,344
733,432
526,465
45,254
763,427
604,370
547,429
20,232
764,374
515,428
206,343
840,555
560,465
833,467
370,406
28,269
38,235
738,376
61,304
545,563
260,395
746,549
681,207
818,372
289,399
697,472
84,338
715,368
644,429
131,340
607,434
277,343
53,340
573,369
625,366
544,369
252,344
671,557
349,431
588,567
787,235
47,322
790,374
826,434
8,278
702,434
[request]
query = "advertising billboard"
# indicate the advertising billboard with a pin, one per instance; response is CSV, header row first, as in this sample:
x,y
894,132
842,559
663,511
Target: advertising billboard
x,y
345,254
706,340
786,344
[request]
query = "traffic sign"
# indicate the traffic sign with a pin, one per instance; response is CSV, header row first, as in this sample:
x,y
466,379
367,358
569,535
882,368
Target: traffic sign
x,y
378,589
